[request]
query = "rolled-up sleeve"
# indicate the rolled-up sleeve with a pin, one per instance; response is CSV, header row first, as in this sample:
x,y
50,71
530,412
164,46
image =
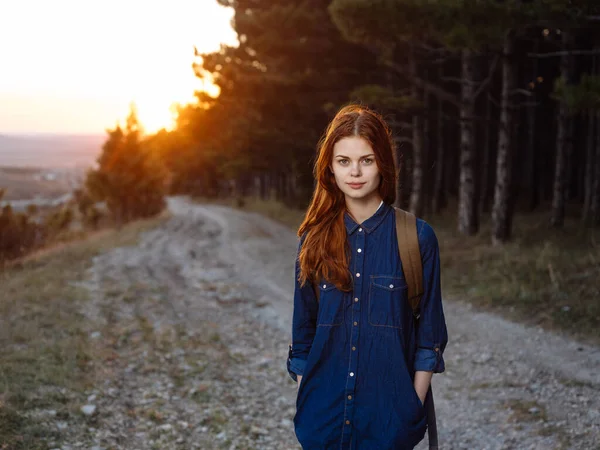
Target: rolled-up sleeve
x,y
432,334
304,323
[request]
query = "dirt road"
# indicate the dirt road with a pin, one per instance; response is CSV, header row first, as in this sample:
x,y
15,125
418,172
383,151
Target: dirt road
x,y
201,311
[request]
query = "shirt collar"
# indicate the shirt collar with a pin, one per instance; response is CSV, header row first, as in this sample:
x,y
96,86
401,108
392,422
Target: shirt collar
x,y
369,224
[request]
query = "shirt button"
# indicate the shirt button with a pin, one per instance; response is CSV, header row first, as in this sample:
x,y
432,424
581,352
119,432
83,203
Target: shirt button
x,y
355,323
324,286
357,275
347,422
359,250
351,374
353,348
349,397
391,286
359,230
355,300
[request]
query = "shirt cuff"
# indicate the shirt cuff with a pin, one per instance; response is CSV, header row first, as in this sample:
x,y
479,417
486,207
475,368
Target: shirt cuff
x,y
295,366
429,360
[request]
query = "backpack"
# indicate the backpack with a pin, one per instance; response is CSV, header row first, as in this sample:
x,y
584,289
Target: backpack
x,y
410,255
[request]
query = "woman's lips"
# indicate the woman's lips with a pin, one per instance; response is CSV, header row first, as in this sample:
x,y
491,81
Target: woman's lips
x,y
356,185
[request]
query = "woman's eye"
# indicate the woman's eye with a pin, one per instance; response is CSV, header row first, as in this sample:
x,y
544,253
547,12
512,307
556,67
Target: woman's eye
x,y
343,162
368,160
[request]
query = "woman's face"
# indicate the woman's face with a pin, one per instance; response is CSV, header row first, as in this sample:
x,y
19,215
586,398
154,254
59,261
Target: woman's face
x,y
354,168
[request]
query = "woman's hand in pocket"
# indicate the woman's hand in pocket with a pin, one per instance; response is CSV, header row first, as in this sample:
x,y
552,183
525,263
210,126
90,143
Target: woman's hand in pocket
x,y
421,384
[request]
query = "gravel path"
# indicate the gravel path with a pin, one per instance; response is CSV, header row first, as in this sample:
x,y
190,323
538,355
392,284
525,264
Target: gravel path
x,y
198,316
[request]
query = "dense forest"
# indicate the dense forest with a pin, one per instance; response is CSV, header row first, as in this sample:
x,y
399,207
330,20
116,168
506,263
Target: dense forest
x,y
495,105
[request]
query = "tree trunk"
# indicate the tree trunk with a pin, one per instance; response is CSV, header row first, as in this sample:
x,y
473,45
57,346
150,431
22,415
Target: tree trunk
x,y
262,188
278,186
285,185
427,154
563,141
501,212
399,172
531,170
485,163
589,168
590,160
595,200
467,211
416,194
438,183
269,177
401,169
280,194
532,179
292,184
451,165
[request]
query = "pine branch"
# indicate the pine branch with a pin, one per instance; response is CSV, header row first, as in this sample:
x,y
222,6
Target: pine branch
x,y
460,81
523,92
424,84
487,81
442,60
564,53
430,49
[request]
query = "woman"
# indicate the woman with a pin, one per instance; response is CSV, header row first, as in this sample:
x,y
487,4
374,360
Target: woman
x,y
363,371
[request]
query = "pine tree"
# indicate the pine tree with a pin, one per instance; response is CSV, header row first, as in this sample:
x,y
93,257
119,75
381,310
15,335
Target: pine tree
x,y
501,215
128,177
279,88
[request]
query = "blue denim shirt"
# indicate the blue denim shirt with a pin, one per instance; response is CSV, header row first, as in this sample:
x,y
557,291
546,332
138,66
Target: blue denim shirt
x,y
358,351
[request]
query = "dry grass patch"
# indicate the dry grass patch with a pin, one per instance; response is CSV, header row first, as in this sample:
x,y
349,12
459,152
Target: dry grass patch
x,y
543,277
44,343
525,411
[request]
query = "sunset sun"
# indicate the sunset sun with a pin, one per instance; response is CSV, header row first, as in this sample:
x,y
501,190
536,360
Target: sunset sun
x,y
157,108
99,57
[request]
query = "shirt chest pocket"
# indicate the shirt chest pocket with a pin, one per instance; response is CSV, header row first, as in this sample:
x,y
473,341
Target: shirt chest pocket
x,y
387,301
331,311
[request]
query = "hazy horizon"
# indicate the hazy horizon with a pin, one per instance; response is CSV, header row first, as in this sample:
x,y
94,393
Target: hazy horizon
x,y
50,150
48,133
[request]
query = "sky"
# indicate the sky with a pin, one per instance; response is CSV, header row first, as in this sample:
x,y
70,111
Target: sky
x,y
74,66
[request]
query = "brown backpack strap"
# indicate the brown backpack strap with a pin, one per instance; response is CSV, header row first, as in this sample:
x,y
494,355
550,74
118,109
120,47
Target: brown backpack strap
x,y
410,255
408,245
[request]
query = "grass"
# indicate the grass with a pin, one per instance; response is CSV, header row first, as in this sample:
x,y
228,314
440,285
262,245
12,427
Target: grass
x,y
526,411
530,411
44,347
544,276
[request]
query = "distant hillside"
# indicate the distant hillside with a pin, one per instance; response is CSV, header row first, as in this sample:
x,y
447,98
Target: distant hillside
x,y
49,150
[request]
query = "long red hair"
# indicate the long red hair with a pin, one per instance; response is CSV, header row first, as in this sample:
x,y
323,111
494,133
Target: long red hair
x,y
325,253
